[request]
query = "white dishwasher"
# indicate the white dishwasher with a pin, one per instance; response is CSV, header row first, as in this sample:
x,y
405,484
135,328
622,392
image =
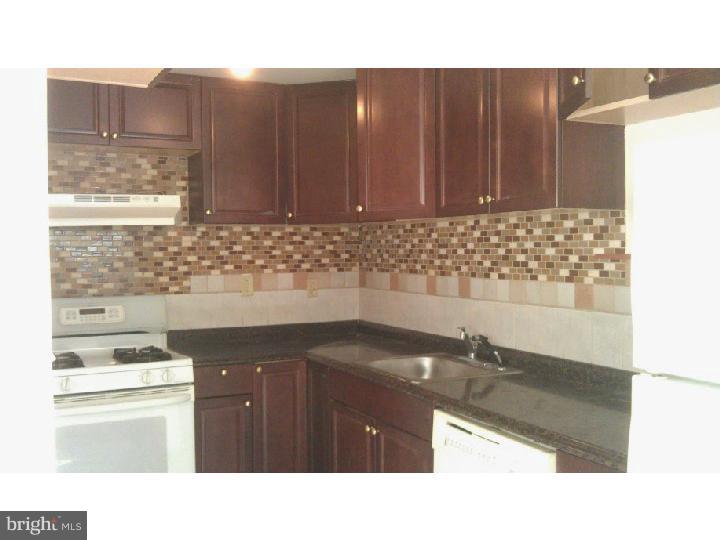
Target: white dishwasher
x,y
463,446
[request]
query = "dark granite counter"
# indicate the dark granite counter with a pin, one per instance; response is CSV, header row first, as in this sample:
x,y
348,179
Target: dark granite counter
x,y
579,408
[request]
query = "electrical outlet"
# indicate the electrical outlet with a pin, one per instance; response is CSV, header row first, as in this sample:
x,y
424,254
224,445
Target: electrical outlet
x,y
246,284
312,288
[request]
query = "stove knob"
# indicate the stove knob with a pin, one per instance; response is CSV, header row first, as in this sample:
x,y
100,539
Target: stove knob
x,y
167,376
65,384
146,377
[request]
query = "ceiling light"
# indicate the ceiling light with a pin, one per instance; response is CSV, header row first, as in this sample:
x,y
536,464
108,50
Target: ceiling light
x,y
242,73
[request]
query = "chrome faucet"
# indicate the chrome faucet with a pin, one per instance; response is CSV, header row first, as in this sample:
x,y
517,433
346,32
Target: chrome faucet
x,y
478,343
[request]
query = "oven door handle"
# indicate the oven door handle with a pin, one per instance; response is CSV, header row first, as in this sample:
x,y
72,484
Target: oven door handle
x,y
117,405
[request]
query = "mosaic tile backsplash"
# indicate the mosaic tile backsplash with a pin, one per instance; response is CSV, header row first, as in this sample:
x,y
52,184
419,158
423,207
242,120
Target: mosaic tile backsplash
x,y
572,246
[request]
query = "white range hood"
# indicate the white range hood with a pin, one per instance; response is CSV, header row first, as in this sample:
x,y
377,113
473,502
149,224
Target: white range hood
x,y
81,210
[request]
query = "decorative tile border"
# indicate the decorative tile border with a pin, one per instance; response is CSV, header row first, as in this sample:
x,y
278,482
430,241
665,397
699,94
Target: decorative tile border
x,y
606,298
565,245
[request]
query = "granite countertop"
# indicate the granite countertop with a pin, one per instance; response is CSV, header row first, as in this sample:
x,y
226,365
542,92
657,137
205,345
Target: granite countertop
x,y
581,409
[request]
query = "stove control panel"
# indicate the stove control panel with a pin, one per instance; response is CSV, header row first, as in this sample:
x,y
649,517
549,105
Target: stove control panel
x,y
92,315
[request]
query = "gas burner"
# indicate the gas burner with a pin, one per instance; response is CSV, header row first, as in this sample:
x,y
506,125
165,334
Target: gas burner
x,y
67,360
131,355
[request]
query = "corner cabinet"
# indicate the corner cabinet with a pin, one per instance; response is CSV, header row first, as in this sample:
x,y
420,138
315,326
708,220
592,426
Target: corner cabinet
x,y
165,115
241,174
396,143
323,156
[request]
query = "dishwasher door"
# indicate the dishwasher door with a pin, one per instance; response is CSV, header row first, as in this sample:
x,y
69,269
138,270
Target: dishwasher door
x,y
463,446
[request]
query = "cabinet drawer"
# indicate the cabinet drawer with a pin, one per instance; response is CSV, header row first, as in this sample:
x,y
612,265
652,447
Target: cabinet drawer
x,y
224,380
400,410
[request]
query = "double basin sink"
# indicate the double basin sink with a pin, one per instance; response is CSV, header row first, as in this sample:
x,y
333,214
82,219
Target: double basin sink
x,y
438,367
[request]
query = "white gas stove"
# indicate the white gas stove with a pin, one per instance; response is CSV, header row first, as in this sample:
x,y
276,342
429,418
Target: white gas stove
x,y
123,402
102,363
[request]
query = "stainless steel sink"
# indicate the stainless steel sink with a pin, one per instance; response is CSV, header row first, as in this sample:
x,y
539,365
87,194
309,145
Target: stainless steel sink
x,y
437,367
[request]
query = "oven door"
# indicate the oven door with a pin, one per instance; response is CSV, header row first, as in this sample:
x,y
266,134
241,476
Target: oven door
x,y
141,431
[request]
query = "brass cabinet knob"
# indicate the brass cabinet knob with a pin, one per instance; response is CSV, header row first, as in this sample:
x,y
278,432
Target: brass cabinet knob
x,y
208,212
290,215
258,369
223,372
489,199
359,208
104,134
650,77
367,429
481,199
247,403
114,135
374,431
577,80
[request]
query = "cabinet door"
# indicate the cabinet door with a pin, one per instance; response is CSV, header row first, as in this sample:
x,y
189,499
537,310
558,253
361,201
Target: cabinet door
x,y
77,112
280,417
400,452
352,444
523,130
322,165
396,150
166,115
243,166
223,434
462,141
318,419
667,81
573,90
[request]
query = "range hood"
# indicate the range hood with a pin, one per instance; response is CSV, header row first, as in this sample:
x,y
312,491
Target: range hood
x,y
81,210
621,97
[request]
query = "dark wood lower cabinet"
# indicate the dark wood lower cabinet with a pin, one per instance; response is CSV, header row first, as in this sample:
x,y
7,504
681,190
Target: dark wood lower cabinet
x,y
223,434
280,417
400,452
352,446
318,419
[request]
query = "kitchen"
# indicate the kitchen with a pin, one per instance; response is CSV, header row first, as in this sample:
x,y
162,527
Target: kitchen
x,y
266,287
348,270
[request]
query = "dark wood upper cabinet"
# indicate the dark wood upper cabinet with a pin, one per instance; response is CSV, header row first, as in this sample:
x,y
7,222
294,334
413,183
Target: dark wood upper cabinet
x,y
593,166
280,417
223,434
77,112
463,142
166,115
323,153
352,444
667,81
523,131
573,90
240,177
400,452
396,150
